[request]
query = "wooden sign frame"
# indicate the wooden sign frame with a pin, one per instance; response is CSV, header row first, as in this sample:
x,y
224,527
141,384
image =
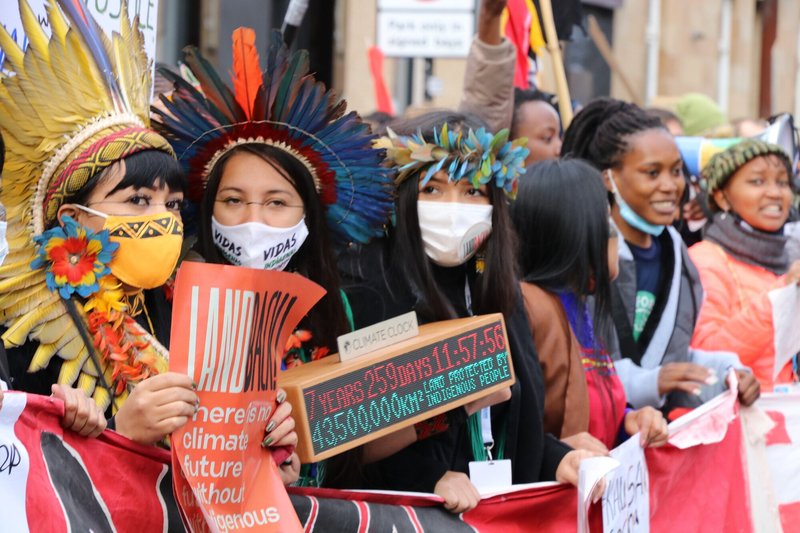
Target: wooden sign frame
x,y
338,406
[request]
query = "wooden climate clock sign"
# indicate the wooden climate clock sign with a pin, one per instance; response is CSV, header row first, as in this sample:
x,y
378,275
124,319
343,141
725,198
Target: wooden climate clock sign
x,y
341,405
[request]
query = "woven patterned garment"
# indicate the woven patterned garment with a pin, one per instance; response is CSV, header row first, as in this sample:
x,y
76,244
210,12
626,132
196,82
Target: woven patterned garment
x,y
606,393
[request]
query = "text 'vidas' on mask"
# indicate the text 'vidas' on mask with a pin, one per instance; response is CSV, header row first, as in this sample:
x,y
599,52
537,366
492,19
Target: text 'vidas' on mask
x,y
452,232
257,245
149,246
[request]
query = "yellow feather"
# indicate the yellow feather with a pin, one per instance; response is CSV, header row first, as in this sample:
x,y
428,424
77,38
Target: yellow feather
x,y
11,49
87,78
39,296
139,64
12,298
62,66
23,281
53,331
18,332
14,266
72,349
71,369
86,383
101,398
44,353
37,39
58,23
91,368
122,58
68,351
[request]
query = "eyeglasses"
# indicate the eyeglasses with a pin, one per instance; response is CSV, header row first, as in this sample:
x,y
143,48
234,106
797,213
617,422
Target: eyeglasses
x,y
275,210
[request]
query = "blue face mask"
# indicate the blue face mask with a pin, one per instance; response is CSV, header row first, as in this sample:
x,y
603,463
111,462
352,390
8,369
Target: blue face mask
x,y
630,216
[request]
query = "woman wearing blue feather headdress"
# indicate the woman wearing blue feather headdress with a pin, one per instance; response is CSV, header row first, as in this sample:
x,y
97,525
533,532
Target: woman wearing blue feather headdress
x,y
282,176
452,254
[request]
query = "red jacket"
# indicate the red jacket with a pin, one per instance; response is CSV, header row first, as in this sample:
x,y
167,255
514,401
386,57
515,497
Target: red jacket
x,y
737,314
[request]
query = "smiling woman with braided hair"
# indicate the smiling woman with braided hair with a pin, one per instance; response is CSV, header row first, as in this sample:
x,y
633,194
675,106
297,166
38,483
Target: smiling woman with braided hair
x,y
656,298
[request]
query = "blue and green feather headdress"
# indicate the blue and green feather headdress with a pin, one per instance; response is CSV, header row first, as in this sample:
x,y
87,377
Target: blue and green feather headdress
x,y
285,107
476,156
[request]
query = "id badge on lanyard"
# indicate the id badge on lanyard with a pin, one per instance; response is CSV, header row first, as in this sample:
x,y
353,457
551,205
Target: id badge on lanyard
x,y
492,473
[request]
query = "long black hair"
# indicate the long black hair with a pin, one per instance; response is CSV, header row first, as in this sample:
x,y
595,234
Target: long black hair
x,y
600,132
314,260
496,287
561,217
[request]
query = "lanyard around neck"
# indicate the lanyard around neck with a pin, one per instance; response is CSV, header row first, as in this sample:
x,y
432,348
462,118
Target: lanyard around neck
x,y
481,439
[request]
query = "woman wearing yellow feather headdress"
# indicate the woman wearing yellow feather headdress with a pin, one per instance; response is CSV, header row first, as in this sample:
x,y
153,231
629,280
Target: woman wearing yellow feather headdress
x,y
93,198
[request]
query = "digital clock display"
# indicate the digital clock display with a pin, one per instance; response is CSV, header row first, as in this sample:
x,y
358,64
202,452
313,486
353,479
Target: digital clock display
x,y
361,402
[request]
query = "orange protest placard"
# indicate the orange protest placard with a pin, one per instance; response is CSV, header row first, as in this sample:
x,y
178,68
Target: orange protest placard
x,y
229,330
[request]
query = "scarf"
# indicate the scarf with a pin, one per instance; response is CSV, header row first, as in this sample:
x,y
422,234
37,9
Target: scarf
x,y
749,245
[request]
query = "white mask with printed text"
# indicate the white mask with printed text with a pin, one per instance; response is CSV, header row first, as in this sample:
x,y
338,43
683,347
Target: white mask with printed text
x,y
257,245
452,232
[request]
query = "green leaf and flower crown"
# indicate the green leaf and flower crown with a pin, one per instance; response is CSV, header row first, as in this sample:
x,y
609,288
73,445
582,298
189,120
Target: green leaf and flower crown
x,y
477,156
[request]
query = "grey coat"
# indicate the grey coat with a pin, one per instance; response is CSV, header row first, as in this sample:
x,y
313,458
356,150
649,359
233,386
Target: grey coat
x,y
675,314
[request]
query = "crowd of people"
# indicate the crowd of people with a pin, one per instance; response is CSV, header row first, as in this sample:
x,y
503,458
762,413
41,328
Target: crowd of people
x,y
575,236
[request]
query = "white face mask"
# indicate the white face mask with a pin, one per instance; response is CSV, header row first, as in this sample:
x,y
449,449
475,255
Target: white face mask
x,y
3,241
257,245
452,232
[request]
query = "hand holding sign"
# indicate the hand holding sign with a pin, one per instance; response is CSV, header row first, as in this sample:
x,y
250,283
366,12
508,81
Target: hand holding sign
x,y
229,330
650,425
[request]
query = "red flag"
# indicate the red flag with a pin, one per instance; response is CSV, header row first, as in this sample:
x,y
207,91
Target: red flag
x,y
518,30
382,98
52,479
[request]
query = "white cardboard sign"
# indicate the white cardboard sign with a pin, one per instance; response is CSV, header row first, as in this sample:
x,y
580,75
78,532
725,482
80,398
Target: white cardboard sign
x,y
105,12
626,500
405,33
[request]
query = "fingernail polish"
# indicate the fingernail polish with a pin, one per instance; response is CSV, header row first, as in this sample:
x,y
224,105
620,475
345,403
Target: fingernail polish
x,y
281,396
266,442
712,379
271,426
194,385
696,392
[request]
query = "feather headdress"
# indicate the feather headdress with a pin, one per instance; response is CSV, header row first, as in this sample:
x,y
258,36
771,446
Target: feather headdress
x,y
284,107
70,106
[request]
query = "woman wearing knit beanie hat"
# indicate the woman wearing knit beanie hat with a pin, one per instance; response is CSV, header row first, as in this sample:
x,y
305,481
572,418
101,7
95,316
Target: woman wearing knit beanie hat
x,y
700,115
744,255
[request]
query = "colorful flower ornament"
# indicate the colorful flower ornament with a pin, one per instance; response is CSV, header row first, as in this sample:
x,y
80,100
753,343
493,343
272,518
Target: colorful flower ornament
x,y
76,261
477,156
75,258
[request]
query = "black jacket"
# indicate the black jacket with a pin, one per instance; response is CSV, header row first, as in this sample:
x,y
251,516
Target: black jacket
x,y
535,456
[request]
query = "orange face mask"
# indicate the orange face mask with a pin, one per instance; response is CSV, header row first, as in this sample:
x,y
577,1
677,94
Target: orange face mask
x,y
149,247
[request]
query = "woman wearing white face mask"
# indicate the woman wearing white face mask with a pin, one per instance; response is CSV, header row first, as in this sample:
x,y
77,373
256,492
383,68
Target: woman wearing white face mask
x,y
451,254
280,182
